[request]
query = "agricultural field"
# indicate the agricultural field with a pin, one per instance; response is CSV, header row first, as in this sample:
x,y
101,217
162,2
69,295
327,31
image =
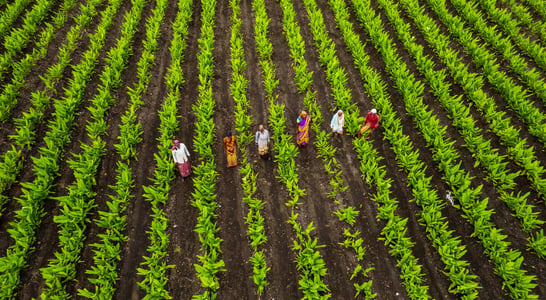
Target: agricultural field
x,y
445,200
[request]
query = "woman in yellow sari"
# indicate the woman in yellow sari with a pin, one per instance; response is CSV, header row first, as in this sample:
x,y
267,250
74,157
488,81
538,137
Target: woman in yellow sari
x,y
230,147
303,129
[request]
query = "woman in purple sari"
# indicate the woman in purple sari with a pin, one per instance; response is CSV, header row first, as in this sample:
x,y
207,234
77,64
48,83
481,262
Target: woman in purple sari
x,y
303,129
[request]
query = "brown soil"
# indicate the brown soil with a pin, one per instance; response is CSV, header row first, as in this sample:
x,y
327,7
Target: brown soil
x,y
235,282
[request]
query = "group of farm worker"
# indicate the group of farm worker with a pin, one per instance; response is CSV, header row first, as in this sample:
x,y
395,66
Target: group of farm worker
x,y
337,124
181,154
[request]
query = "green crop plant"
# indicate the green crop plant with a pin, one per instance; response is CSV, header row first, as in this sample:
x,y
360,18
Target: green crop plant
x,y
23,67
364,288
347,214
25,126
511,28
204,195
46,167
75,207
374,89
515,96
259,271
107,252
538,243
486,156
475,211
10,14
20,37
11,165
517,148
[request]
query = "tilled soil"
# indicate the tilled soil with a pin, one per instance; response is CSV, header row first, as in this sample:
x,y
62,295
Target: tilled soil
x,y
317,208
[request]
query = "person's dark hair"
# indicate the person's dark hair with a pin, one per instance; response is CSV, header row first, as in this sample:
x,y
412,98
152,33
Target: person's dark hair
x,y
229,133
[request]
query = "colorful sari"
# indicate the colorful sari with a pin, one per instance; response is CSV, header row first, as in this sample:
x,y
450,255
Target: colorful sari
x,y
181,158
371,122
184,168
303,129
231,147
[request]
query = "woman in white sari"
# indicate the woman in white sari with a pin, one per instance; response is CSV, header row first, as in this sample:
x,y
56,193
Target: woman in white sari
x,y
338,122
262,139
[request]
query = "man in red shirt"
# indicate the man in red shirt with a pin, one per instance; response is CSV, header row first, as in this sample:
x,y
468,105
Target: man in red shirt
x,y
371,122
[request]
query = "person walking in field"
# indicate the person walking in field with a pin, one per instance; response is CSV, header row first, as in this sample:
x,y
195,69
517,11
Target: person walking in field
x,y
371,123
230,148
303,129
337,123
262,139
181,158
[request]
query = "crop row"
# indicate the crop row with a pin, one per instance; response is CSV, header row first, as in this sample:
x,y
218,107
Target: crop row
x,y
511,28
506,260
504,47
515,95
20,37
204,194
10,14
108,250
515,146
254,219
155,279
332,167
46,166
75,207
21,68
492,163
523,15
11,162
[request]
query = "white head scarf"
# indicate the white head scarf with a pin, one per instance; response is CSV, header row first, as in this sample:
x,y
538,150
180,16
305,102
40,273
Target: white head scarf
x,y
338,120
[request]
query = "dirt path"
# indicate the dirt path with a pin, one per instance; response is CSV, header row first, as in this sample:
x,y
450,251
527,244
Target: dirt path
x,y
184,246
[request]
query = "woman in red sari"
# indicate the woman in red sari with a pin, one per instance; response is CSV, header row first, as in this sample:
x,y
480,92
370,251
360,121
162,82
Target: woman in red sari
x,y
303,129
230,147
371,122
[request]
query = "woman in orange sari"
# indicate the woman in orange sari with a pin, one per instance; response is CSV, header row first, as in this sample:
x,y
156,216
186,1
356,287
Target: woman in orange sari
x,y
230,147
303,129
